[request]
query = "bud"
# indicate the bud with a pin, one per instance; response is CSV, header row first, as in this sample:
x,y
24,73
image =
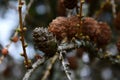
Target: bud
x,y
37,56
25,45
4,51
14,39
24,29
104,36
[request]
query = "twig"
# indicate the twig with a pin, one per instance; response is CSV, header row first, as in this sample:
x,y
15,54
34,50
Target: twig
x,y
100,55
24,16
29,5
97,15
27,9
80,13
34,67
2,58
65,65
47,72
71,45
113,8
67,47
24,54
16,32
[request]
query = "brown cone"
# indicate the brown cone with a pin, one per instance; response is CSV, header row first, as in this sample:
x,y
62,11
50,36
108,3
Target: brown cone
x,y
90,28
45,41
63,27
104,36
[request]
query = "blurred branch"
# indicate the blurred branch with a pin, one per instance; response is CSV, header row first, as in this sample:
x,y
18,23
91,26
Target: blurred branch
x,y
80,13
72,45
29,5
65,65
113,8
47,72
27,9
34,67
2,58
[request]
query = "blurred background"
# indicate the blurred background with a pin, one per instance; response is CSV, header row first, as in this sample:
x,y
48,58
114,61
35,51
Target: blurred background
x,y
41,13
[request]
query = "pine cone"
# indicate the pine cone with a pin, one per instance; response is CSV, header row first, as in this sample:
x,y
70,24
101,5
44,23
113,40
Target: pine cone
x,y
58,27
73,28
90,28
70,4
104,36
44,41
98,32
63,27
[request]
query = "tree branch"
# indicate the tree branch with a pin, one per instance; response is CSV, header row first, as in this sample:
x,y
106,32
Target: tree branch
x,y
65,65
67,46
47,72
34,67
113,8
24,54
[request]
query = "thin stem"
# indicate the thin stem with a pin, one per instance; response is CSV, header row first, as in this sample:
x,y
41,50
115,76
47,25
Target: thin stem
x,y
22,34
65,65
80,13
29,5
2,58
34,67
71,45
28,8
113,8
47,72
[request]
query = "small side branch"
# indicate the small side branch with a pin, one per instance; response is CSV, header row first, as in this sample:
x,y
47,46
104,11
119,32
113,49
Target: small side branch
x,y
113,8
2,58
71,45
28,8
24,54
34,67
47,72
65,65
80,13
